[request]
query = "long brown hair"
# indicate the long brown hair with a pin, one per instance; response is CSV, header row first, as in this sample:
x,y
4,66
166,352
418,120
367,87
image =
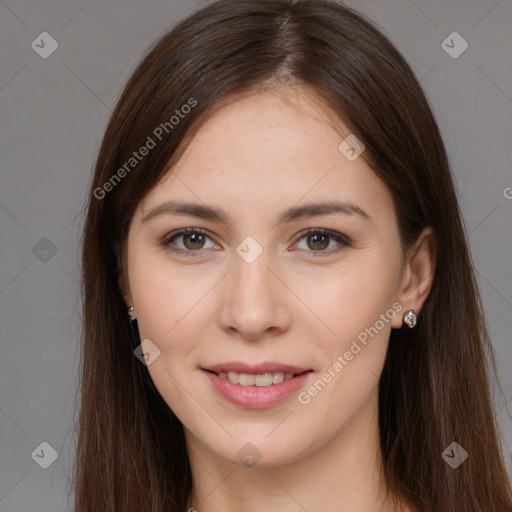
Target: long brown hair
x,y
436,384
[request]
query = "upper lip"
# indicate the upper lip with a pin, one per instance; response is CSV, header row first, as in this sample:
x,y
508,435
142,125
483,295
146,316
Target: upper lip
x,y
265,367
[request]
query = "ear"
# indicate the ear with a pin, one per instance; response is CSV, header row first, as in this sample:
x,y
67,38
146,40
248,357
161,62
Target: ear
x,y
124,286
122,273
418,275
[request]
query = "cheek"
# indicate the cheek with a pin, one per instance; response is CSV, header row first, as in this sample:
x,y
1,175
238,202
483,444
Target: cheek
x,y
358,311
173,307
352,298
171,314
356,305
166,295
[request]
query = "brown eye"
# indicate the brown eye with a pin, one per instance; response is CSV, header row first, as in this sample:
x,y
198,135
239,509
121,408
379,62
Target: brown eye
x,y
318,241
193,241
188,242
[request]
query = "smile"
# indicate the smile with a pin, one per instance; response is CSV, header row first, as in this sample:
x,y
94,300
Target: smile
x,y
256,391
260,379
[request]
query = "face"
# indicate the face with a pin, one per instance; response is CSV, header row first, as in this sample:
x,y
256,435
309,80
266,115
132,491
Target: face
x,y
267,283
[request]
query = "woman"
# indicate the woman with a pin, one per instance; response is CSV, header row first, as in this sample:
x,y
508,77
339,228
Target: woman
x,y
280,311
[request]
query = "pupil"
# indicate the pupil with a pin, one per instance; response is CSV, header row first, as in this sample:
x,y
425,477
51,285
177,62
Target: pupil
x,y
320,238
194,239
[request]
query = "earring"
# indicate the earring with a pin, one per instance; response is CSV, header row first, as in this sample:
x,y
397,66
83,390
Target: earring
x,y
410,318
131,313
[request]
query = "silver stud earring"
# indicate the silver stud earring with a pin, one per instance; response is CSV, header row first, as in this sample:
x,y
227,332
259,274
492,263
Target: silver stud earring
x,y
410,318
131,313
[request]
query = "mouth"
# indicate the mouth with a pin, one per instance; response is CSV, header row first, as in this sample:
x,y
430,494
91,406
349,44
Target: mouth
x,y
251,387
264,379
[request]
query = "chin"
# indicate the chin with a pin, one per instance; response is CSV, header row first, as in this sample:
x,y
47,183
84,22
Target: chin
x,y
259,452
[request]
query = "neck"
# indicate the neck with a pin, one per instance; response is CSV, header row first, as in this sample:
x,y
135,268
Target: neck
x,y
341,474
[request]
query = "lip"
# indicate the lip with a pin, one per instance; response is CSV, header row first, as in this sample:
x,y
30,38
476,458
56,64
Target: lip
x,y
255,397
253,369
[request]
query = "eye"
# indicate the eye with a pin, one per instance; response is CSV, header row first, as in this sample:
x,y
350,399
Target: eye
x,y
193,241
318,240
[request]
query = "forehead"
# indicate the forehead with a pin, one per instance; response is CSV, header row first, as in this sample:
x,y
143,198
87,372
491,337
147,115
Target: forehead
x,y
267,149
269,124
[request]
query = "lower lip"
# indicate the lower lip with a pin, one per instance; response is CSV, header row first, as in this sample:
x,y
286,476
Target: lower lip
x,y
256,397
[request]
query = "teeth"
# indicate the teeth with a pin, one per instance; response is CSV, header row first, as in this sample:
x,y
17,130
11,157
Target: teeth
x,y
260,380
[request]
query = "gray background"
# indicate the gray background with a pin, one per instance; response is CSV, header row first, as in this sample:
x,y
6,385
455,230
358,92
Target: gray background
x,y
54,112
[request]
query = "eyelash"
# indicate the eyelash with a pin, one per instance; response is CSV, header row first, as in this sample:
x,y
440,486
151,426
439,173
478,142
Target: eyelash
x,y
343,240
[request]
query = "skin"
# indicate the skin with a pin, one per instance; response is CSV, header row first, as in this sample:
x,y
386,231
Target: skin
x,y
260,154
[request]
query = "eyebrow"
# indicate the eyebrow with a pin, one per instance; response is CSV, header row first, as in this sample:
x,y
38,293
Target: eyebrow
x,y
202,211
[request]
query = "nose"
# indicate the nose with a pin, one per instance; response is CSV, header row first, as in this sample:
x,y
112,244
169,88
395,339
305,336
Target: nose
x,y
255,299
